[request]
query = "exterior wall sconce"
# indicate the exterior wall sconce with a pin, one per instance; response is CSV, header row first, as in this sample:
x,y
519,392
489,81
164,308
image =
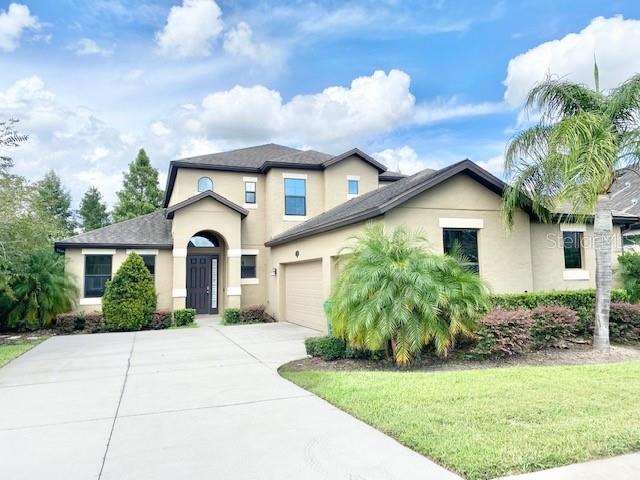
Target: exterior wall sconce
x,y
274,272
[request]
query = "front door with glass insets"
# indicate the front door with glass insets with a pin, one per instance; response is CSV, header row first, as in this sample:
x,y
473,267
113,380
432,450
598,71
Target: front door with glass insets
x,y
202,283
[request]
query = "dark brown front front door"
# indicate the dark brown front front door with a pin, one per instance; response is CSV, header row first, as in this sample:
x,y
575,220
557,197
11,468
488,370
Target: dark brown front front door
x,y
202,283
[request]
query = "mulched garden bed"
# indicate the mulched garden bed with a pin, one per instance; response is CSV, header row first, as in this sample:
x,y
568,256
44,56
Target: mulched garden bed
x,y
575,354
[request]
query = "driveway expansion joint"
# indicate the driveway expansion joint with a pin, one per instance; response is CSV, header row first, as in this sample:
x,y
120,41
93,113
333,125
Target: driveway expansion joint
x,y
115,417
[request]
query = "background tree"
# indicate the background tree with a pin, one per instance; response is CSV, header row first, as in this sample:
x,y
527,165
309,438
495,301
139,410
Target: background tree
x,y
394,292
93,210
52,197
570,158
141,192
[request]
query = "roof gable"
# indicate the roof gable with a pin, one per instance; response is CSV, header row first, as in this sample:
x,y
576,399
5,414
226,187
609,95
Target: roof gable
x,y
207,194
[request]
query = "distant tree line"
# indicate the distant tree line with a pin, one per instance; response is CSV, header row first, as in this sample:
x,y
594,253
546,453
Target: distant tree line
x,y
33,215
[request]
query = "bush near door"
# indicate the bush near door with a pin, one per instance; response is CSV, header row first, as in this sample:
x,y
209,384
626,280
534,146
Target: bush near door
x,y
184,316
245,315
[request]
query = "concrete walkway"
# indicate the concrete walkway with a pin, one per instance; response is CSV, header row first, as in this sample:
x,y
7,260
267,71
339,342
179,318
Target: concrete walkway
x,y
199,403
623,467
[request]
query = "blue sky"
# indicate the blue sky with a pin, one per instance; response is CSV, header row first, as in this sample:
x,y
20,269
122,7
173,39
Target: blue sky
x,y
417,84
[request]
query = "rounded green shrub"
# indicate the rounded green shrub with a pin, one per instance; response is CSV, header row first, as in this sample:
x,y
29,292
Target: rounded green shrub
x,y
130,297
184,316
327,347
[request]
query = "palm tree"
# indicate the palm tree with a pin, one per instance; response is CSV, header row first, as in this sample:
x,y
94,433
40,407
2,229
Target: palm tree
x,y
392,291
571,157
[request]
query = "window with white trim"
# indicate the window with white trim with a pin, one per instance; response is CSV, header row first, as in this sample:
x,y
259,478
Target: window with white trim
x,y
204,184
295,196
353,187
249,192
572,246
97,272
248,266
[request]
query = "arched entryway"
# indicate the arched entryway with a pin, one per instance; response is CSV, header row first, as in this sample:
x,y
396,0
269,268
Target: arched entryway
x,y
205,265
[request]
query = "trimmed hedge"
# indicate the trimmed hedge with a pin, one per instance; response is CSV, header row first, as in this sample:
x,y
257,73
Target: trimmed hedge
x,y
552,325
576,300
231,316
160,320
245,315
94,322
327,347
504,333
130,298
624,322
184,316
69,322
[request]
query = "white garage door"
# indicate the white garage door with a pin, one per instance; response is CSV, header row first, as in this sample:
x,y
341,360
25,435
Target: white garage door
x,y
303,295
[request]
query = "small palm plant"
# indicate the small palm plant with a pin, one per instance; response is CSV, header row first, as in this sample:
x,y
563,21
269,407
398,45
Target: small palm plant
x,y
393,292
571,157
40,292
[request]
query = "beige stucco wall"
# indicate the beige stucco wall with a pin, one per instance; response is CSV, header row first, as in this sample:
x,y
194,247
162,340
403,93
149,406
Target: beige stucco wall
x,y
207,215
510,261
336,176
548,257
163,276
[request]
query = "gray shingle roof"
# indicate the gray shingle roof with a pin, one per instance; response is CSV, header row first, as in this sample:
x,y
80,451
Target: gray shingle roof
x,y
260,159
372,204
625,193
206,194
377,202
151,230
390,176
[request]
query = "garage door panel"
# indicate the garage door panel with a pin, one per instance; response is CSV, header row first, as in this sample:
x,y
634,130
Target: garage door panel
x,y
303,295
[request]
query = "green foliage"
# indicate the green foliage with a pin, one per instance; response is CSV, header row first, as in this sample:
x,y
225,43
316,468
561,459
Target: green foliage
x,y
573,299
327,347
52,197
130,298
231,316
394,291
41,290
93,210
140,192
630,274
184,316
495,422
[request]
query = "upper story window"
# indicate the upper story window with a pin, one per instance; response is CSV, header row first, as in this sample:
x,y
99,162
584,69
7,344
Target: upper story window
x,y
465,242
295,196
150,263
97,272
572,245
249,192
353,187
204,184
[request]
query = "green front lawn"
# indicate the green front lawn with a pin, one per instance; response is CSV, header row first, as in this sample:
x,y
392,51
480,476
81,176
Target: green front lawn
x,y
9,351
487,423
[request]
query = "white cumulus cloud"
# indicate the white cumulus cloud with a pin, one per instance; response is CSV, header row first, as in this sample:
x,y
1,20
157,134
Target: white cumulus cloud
x,y
87,46
442,109
13,22
614,41
403,159
239,41
190,29
337,115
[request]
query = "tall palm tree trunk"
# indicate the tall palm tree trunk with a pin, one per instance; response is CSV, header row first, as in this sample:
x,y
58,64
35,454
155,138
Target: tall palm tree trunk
x,y
602,232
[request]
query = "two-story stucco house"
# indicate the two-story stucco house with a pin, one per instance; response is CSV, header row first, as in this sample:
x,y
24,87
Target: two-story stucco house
x,y
265,225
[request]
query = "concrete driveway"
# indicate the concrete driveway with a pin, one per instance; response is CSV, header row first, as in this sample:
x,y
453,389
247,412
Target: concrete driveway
x,y
200,403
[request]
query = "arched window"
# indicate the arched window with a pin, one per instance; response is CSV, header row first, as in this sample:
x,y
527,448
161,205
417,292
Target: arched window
x,y
204,184
204,239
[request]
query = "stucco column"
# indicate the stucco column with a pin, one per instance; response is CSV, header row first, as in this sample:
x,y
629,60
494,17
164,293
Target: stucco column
x,y
234,290
179,291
